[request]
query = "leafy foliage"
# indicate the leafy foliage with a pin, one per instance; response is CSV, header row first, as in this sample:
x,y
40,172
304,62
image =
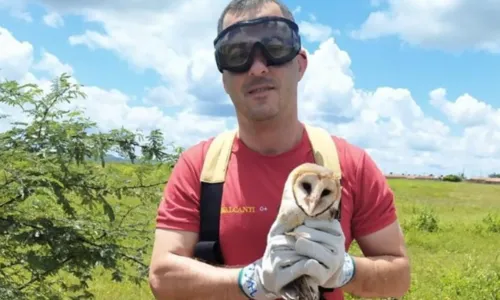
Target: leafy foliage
x,y
60,211
453,178
427,220
492,222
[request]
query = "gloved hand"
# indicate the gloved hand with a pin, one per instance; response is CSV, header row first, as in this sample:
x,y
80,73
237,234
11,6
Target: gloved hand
x,y
280,264
324,241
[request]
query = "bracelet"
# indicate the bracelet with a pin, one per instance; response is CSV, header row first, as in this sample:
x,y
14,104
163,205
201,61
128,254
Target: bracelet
x,y
250,286
348,269
246,281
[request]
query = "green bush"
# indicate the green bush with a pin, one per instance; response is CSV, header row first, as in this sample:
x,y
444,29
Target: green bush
x,y
61,208
427,220
452,178
422,219
492,223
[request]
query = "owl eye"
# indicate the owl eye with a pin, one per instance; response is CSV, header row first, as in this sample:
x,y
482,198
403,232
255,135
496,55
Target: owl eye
x,y
307,187
325,192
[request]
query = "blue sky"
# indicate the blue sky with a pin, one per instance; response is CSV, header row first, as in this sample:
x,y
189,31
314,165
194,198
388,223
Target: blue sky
x,y
93,67
413,46
385,61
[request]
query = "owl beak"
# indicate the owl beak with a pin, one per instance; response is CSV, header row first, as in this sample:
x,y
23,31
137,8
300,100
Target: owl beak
x,y
311,206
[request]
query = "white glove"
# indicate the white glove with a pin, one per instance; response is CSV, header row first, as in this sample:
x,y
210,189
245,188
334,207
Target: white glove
x,y
324,242
280,264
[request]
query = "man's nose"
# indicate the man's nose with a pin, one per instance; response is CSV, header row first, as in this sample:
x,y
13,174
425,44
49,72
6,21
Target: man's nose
x,y
259,66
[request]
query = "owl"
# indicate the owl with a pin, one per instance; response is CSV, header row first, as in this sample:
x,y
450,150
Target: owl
x,y
310,191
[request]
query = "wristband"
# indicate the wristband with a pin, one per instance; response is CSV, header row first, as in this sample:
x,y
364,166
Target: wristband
x,y
246,281
348,269
250,286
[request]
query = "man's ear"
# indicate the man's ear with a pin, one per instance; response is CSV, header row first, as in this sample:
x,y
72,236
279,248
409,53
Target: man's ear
x,y
224,81
302,62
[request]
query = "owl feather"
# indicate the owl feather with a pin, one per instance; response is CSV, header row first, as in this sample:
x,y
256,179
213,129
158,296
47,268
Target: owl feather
x,y
311,191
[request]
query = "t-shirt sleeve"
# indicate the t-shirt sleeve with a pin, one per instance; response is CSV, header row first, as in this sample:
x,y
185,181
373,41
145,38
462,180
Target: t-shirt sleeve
x,y
374,206
179,206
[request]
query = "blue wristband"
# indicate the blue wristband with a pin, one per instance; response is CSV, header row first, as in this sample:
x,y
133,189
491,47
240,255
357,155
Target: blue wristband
x,y
246,281
250,285
348,269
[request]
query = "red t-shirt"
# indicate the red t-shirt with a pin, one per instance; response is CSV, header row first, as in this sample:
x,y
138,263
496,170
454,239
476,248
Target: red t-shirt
x,y
252,195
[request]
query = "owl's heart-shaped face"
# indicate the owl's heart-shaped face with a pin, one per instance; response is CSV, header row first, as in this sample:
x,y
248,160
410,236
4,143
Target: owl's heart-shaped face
x,y
316,189
310,191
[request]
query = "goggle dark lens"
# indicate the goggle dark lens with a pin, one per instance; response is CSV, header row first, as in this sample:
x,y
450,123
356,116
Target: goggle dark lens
x,y
277,38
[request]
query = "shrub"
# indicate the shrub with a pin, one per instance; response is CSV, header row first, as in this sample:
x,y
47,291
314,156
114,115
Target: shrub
x,y
492,223
57,216
452,178
423,219
427,220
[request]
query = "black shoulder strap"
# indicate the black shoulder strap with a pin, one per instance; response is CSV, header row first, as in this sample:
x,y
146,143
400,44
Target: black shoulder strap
x,y
208,247
212,180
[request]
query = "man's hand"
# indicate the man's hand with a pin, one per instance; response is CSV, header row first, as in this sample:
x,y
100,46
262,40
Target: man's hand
x,y
323,241
279,265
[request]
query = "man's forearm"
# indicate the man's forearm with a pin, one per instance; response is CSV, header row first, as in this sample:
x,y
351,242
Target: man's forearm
x,y
380,276
180,277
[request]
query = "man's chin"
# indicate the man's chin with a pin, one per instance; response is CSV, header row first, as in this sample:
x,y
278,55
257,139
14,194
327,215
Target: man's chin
x,y
263,116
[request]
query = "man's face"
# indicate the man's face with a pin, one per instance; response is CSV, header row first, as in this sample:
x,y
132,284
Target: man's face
x,y
264,104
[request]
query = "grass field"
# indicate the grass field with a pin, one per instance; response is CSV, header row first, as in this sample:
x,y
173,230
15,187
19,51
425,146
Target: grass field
x,y
452,232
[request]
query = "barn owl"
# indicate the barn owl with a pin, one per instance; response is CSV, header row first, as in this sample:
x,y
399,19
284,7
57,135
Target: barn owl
x,y
310,191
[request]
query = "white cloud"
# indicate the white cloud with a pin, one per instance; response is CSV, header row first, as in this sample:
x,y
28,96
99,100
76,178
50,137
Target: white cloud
x,y
447,24
153,39
390,123
52,65
297,10
53,20
16,9
109,108
327,86
314,32
167,97
387,121
150,37
466,110
15,58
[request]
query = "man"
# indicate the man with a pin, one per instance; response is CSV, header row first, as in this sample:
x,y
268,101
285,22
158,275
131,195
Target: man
x,y
271,141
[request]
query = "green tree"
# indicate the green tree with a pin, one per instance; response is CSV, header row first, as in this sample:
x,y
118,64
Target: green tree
x,y
60,208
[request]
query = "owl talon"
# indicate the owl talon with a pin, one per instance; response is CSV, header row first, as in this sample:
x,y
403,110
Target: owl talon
x,y
300,289
297,235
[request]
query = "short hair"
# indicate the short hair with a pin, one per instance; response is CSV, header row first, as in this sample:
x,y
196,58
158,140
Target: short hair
x,y
241,6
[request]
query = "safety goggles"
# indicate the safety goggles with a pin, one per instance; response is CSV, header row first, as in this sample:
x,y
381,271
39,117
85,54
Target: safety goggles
x,y
278,39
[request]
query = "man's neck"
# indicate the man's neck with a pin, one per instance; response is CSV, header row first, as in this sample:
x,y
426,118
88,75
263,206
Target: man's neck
x,y
271,138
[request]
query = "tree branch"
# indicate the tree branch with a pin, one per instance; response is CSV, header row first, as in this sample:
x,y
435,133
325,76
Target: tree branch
x,y
46,273
21,197
133,259
132,187
127,213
